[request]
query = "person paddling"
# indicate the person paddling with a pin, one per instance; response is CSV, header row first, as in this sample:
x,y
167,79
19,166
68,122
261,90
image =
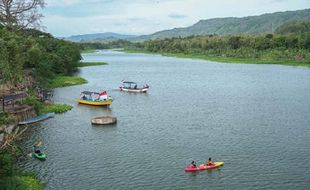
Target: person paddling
x,y
193,164
209,162
36,150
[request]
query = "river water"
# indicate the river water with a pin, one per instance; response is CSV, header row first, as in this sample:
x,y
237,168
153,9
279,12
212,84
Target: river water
x,y
255,118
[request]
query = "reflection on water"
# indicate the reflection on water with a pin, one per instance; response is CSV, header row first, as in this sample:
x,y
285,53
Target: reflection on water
x,y
255,118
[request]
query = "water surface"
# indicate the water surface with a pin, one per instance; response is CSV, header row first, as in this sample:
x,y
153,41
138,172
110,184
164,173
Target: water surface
x,y
255,118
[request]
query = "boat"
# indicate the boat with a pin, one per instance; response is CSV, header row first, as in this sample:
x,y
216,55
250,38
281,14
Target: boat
x,y
37,118
95,98
103,120
204,167
128,86
40,155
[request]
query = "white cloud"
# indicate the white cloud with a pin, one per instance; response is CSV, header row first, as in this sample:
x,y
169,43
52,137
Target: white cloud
x,y
63,18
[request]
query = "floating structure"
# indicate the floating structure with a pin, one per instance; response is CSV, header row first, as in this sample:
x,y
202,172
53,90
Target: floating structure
x,y
37,118
95,98
103,120
128,86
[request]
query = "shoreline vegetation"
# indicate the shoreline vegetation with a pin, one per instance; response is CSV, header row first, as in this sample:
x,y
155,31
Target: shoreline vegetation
x,y
88,51
32,60
64,81
221,59
12,177
88,64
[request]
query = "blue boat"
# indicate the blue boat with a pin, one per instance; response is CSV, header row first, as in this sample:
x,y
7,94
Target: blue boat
x,y
37,118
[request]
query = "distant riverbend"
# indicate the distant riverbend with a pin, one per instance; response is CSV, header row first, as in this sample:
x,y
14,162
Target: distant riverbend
x,y
255,118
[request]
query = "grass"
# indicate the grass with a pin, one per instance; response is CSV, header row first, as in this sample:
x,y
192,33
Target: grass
x,y
87,64
63,81
6,119
56,108
12,177
226,59
22,183
89,51
46,108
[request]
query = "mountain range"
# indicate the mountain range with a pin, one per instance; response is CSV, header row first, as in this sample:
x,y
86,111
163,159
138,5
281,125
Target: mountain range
x,y
107,36
265,23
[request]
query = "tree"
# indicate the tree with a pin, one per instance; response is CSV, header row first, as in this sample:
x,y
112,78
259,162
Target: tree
x,y
21,13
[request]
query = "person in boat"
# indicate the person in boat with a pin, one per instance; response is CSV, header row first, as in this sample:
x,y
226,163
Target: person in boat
x,y
193,164
209,162
36,149
135,87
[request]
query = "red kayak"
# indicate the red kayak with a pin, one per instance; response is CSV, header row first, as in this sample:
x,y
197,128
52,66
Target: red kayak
x,y
204,167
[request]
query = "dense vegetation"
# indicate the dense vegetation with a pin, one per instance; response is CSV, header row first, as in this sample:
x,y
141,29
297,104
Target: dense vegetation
x,y
11,177
87,64
294,27
284,49
42,108
36,52
6,119
87,46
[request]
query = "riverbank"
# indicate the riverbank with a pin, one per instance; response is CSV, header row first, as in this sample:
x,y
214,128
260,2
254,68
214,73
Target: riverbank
x,y
12,177
88,51
223,59
88,64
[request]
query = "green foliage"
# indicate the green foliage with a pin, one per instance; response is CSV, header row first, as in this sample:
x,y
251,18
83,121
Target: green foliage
x,y
62,81
38,51
87,64
12,178
294,27
6,119
89,47
12,48
33,101
56,108
46,108
88,51
290,49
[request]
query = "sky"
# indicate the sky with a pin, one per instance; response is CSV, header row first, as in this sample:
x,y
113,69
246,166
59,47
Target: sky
x,y
64,18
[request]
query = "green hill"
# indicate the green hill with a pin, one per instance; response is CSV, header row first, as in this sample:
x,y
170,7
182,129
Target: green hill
x,y
294,27
265,23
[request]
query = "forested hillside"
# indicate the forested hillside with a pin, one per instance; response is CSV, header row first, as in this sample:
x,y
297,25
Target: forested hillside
x,y
265,23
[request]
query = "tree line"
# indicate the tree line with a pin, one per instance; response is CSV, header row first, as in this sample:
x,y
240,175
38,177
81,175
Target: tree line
x,y
29,51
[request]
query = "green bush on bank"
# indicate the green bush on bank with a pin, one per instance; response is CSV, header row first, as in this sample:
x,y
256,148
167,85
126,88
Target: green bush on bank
x,y
41,108
87,64
56,108
6,119
11,177
63,81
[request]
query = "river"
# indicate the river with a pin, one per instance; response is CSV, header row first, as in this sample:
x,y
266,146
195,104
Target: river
x,y
255,118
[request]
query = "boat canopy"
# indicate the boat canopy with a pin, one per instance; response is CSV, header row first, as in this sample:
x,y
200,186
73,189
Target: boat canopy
x,y
128,82
89,93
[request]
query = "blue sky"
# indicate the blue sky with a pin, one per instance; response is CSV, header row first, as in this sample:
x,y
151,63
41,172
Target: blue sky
x,y
73,17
